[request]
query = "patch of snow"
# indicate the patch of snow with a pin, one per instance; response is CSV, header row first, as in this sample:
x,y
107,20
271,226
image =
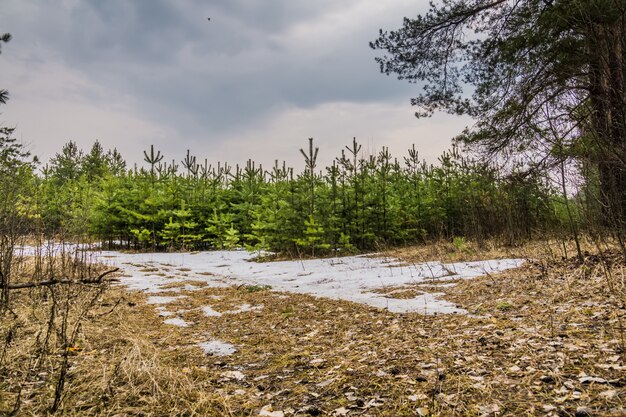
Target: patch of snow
x,y
164,313
217,348
177,321
51,248
446,285
244,308
161,299
208,311
191,287
352,278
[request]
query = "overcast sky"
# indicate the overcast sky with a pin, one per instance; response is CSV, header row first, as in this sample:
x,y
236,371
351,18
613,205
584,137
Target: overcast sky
x,y
255,81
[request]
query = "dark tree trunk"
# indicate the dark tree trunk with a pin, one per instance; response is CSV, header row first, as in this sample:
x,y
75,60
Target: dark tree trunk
x,y
607,101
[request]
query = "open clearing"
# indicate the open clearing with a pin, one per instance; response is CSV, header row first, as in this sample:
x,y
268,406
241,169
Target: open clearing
x,y
546,338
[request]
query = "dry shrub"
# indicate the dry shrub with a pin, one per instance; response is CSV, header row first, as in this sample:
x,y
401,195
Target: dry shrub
x,y
70,349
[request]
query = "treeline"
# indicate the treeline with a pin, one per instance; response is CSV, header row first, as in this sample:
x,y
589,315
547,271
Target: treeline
x,y
360,202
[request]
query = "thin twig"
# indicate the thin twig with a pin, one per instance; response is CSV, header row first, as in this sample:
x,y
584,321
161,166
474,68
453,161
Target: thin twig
x,y
48,283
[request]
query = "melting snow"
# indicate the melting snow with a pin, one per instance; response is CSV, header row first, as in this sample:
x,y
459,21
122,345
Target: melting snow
x,y
244,308
217,348
177,321
208,311
353,278
163,312
160,299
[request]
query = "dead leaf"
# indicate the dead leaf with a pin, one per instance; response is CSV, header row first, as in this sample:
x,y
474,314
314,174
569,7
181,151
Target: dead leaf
x,y
326,382
237,375
590,379
417,397
489,410
341,412
350,396
609,394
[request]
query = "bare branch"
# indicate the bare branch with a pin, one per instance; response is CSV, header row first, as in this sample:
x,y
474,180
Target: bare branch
x,y
48,283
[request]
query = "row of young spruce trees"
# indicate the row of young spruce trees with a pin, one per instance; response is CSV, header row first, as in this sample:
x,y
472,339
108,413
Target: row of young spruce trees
x,y
360,202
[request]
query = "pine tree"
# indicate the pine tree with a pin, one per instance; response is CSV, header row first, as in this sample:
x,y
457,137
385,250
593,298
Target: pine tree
x,y
313,237
95,163
541,73
68,164
16,217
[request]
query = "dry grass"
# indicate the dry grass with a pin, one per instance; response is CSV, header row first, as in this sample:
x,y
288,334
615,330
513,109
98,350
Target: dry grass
x,y
462,250
546,339
125,361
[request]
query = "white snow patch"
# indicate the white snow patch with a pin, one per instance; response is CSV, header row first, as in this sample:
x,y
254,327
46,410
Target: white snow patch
x,y
208,311
217,348
161,299
191,287
164,313
244,308
351,278
177,321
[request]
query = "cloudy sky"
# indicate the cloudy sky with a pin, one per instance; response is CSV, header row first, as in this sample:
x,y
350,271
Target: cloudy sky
x,y
255,81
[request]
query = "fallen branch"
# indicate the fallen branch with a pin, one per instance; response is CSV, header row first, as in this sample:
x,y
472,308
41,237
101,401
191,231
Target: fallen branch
x,y
48,283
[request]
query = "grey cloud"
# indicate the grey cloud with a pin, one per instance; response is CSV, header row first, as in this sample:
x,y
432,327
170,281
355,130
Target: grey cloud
x,y
274,16
207,78
270,77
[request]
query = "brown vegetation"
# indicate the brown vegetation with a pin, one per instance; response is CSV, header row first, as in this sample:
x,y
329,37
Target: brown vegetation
x,y
546,339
